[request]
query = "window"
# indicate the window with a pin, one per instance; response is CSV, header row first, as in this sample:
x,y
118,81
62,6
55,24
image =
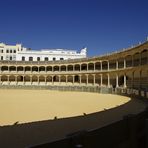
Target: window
x,y
30,58
7,51
46,58
14,51
23,58
38,58
10,51
54,59
10,58
61,58
1,57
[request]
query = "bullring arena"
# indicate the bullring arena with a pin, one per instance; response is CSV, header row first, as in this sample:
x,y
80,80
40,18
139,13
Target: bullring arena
x,y
42,102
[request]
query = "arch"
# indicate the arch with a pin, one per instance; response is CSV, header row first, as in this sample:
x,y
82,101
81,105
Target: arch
x,y
34,78
70,67
41,78
128,59
104,65
112,64
12,78
55,78
83,67
113,80
136,59
70,79
144,57
20,78
42,69
4,68
12,68
63,78
4,78
90,79
104,79
27,68
97,79
49,68
90,66
121,63
56,68
20,68
63,68
77,67
49,78
27,78
35,69
97,66
83,79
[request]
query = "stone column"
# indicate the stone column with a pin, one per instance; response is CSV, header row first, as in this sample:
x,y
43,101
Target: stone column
x,y
73,79
94,67
66,79
124,81
52,80
59,68
101,76
101,65
59,79
16,80
108,65
86,79
117,84
73,67
31,80
66,67
45,80
80,78
108,76
38,80
124,63
8,80
94,80
116,64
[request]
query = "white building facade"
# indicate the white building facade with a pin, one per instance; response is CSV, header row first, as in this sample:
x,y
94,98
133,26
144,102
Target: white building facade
x,y
19,53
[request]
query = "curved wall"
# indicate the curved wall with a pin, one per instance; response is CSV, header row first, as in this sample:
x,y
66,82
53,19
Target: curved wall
x,y
126,69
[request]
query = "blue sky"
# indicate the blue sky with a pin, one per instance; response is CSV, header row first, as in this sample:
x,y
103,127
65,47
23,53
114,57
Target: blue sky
x,y
101,25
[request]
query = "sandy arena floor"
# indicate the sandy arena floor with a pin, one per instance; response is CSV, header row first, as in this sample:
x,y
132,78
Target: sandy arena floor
x,y
20,106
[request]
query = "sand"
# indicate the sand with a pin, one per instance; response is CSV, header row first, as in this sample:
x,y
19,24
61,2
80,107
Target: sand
x,y
36,109
21,106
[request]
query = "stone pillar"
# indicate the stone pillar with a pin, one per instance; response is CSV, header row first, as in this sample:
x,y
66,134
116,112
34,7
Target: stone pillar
x,y
108,65
66,79
80,78
16,80
101,76
38,80
45,80
124,63
101,65
59,79
66,68
94,67
124,81
87,79
8,80
108,76
94,80
117,84
46,69
31,80
73,67
52,80
59,68
116,64
73,79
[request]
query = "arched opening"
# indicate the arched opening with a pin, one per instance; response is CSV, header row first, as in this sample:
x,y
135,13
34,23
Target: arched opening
x,y
112,64
97,66
83,79
27,68
34,79
12,68
34,69
4,68
90,79
63,79
144,57
41,69
56,68
104,65
136,59
120,63
128,61
4,78
63,68
70,67
27,79
91,66
77,67
55,78
20,68
105,80
49,79
12,78
70,79
49,68
19,78
84,67
97,79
